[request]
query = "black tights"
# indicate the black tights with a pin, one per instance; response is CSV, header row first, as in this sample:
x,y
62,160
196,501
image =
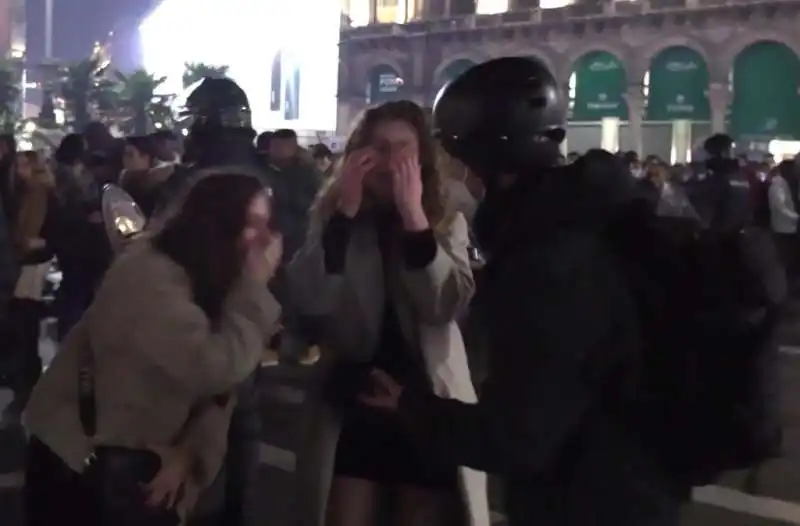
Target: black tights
x,y
24,319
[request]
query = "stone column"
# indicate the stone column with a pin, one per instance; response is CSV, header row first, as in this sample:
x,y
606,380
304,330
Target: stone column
x,y
719,99
609,134
417,80
418,11
565,109
373,11
348,108
681,140
635,99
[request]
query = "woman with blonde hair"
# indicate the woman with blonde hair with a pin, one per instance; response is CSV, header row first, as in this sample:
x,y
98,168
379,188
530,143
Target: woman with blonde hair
x,y
385,269
34,186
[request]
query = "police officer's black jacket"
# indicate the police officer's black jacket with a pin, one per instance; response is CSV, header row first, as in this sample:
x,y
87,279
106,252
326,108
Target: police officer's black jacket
x,y
229,152
294,186
558,320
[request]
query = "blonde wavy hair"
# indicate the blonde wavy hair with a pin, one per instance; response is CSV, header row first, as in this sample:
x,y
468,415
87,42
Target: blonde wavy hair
x,y
360,137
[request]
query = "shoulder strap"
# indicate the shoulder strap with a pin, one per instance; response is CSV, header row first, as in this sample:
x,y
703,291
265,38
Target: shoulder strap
x,y
87,408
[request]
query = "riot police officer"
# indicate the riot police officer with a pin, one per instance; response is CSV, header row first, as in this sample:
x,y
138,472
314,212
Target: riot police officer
x,y
554,310
722,195
220,139
216,113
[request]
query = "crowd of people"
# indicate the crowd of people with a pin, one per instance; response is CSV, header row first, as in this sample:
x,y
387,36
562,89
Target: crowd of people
x,y
255,242
772,192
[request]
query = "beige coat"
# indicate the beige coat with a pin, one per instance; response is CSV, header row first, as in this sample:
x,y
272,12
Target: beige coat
x,y
156,361
428,302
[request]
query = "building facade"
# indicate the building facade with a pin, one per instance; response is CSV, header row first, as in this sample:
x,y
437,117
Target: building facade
x,y
12,29
655,76
12,43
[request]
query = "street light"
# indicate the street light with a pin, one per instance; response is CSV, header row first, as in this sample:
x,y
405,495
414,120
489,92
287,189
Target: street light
x,y
48,29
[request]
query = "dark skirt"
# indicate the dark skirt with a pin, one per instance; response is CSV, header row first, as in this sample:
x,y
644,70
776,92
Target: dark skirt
x,y
376,446
54,494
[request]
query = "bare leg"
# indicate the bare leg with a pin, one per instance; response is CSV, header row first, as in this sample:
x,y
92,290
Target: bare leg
x,y
424,507
351,502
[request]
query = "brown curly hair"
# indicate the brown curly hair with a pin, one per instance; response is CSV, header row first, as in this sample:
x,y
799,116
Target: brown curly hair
x,y
360,137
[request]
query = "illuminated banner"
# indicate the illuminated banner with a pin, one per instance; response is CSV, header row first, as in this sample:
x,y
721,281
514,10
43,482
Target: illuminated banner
x,y
285,55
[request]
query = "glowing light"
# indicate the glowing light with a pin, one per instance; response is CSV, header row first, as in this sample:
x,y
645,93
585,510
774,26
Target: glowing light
x,y
555,4
290,78
491,7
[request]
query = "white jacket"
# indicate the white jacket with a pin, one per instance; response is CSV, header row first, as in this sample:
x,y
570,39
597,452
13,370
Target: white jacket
x,y
31,281
783,216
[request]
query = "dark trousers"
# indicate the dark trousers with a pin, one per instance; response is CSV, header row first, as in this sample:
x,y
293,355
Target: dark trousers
x,y
242,459
71,302
53,493
26,365
789,251
232,500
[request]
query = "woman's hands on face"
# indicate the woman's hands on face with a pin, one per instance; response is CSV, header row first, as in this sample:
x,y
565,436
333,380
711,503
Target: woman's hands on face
x,y
407,190
262,260
351,185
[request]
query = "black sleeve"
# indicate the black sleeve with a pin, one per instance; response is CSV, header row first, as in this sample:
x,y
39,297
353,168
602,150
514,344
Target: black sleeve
x,y
535,394
419,248
334,243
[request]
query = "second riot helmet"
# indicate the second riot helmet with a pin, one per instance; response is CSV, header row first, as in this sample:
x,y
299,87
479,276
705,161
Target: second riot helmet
x,y
719,146
214,103
505,115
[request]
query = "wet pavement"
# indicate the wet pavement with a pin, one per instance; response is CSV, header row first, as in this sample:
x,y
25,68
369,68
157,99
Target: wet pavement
x,y
776,503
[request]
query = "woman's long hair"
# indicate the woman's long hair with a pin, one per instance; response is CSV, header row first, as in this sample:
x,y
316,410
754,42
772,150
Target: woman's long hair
x,y
204,236
34,196
416,117
71,149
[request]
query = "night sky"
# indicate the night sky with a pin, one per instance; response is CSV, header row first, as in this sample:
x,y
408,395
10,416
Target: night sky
x,y
77,24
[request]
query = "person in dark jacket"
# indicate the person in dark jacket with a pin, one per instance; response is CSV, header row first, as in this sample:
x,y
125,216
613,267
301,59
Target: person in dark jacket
x,y
34,183
296,181
721,192
8,147
142,177
222,141
555,311
75,232
9,268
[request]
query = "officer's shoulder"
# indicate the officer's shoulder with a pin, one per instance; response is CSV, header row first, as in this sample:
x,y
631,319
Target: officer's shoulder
x,y
163,171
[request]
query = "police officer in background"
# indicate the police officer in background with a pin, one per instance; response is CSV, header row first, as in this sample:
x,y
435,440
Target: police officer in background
x,y
555,310
217,113
721,194
221,141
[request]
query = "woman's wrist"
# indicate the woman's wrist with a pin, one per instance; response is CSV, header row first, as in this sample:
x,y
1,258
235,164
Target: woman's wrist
x,y
414,220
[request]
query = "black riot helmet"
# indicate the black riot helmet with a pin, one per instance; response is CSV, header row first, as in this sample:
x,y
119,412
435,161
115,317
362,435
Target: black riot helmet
x,y
213,103
502,116
719,146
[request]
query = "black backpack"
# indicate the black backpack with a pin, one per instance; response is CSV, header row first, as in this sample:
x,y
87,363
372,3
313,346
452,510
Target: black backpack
x,y
707,304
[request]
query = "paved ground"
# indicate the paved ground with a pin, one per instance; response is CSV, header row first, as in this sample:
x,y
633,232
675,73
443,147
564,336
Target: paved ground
x,y
776,504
